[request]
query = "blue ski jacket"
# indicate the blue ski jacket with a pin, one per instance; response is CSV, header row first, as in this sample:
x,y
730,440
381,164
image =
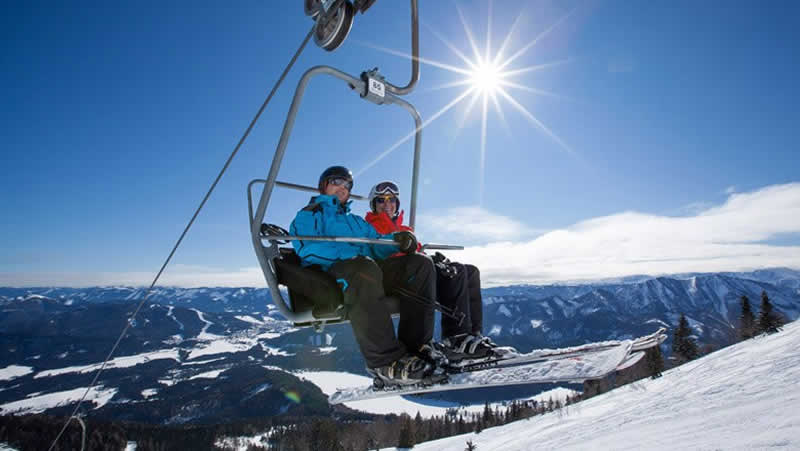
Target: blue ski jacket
x,y
326,216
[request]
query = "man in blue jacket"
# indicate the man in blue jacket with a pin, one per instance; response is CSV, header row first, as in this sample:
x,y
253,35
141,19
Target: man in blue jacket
x,y
365,275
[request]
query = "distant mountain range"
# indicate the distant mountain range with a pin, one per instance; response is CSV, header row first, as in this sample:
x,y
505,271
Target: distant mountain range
x,y
210,354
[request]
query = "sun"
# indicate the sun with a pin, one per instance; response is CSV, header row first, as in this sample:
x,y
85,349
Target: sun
x,y
486,78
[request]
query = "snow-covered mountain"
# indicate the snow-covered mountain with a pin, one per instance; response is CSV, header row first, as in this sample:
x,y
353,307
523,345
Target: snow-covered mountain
x,y
240,300
200,354
556,315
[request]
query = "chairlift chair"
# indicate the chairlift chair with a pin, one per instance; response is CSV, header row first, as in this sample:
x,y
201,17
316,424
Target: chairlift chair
x,y
315,299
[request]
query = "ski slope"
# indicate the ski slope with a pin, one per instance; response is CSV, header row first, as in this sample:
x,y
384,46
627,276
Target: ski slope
x,y
743,397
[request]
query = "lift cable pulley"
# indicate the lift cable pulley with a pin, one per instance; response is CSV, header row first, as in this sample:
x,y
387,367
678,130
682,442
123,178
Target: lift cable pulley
x,y
333,19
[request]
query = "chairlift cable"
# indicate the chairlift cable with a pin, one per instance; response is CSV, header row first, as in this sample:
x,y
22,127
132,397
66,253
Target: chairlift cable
x,y
185,231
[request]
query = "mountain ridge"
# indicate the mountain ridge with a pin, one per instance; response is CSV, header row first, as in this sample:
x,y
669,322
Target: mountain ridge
x,y
184,342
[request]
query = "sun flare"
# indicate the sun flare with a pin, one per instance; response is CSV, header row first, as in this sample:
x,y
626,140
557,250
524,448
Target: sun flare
x,y
486,78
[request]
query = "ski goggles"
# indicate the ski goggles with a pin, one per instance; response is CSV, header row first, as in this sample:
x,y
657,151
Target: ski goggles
x,y
384,199
341,181
387,188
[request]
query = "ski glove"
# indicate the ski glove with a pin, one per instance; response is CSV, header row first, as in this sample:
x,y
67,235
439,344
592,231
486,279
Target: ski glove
x,y
439,257
406,242
443,266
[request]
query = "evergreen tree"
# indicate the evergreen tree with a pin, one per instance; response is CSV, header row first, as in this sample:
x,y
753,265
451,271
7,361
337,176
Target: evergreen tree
x,y
488,416
747,321
406,439
684,347
324,436
654,361
462,425
470,446
768,321
419,430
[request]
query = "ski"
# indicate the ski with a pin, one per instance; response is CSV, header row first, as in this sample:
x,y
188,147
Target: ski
x,y
632,359
590,365
638,344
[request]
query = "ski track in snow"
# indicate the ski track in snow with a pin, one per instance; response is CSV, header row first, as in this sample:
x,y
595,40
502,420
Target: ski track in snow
x,y
203,335
169,313
739,398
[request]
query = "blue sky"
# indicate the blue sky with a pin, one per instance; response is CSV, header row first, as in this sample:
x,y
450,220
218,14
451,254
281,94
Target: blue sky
x,y
670,148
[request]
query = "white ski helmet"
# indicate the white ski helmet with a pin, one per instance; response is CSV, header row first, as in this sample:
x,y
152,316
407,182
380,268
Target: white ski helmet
x,y
382,189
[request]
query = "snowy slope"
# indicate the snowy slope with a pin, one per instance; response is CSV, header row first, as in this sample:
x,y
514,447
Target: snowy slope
x,y
743,397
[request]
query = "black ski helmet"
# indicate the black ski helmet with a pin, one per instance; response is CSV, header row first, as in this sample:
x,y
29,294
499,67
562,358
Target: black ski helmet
x,y
332,173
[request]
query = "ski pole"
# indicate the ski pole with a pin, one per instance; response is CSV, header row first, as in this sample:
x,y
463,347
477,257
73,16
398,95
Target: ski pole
x,y
446,311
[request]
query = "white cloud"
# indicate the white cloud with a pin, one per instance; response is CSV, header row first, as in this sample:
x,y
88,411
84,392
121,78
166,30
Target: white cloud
x,y
471,225
728,237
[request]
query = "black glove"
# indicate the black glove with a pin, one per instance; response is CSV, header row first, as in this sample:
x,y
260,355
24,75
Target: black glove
x,y
446,270
439,257
443,266
406,241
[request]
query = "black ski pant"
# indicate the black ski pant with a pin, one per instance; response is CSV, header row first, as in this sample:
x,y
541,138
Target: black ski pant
x,y
365,286
462,292
475,299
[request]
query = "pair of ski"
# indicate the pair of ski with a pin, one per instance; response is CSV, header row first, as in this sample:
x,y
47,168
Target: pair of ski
x,y
574,364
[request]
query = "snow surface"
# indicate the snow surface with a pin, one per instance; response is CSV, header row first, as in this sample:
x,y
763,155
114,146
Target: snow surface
x,y
203,362
14,371
241,443
248,319
203,335
118,362
148,392
37,404
743,397
169,313
269,335
208,374
218,347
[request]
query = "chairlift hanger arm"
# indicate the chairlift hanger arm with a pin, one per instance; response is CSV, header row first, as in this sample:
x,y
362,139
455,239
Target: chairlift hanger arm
x,y
357,84
414,55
